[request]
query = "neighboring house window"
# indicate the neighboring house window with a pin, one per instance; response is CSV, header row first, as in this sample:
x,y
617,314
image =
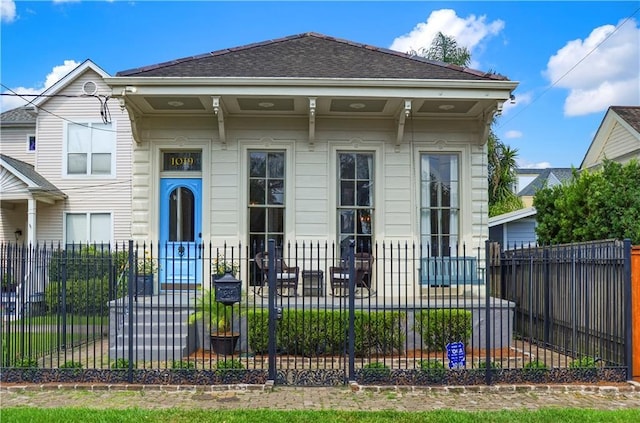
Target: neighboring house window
x,y
31,143
355,201
90,149
439,204
84,228
266,199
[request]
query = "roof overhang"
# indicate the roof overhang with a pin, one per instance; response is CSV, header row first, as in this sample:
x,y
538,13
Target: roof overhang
x,y
311,98
511,216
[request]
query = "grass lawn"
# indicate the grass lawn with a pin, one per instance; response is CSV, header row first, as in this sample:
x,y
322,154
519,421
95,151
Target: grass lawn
x,y
66,415
37,336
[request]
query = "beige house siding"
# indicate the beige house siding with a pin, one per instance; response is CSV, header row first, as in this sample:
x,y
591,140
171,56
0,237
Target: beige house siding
x,y
86,194
14,143
619,144
311,184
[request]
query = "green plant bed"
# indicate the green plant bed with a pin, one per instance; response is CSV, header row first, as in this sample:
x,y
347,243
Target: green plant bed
x,y
313,333
441,327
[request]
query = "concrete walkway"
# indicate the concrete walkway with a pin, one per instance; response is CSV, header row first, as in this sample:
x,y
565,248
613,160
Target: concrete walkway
x,y
354,397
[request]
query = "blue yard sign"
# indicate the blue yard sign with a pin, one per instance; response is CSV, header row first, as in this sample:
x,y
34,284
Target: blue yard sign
x,y
456,355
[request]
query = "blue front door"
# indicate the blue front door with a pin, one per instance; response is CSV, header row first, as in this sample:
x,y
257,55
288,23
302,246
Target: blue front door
x,y
180,233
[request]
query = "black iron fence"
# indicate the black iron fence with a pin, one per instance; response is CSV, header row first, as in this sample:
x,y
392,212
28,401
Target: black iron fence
x,y
309,313
574,299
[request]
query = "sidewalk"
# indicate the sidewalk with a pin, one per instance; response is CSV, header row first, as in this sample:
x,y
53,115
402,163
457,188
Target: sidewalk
x,y
355,397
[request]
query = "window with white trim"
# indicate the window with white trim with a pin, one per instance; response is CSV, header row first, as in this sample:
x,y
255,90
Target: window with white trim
x,y
31,142
266,198
355,201
439,204
88,228
90,149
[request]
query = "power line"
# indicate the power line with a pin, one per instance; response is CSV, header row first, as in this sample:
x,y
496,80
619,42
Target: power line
x,y
104,110
570,69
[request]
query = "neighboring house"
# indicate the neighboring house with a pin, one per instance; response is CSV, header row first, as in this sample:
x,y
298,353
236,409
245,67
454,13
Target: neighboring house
x,y
549,177
617,138
313,138
514,229
65,172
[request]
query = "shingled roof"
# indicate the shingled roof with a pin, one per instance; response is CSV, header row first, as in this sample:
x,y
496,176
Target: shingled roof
x,y
17,116
630,114
548,177
40,183
309,55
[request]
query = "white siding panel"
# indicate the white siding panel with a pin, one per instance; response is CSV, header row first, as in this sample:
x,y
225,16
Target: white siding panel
x,y
111,195
619,143
10,184
13,143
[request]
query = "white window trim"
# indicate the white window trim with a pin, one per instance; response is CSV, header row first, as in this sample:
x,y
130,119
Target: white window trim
x,y
288,147
82,121
357,146
35,149
466,223
87,213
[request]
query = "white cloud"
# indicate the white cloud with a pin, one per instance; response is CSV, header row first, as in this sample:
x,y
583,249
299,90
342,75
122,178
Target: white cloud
x,y
468,32
513,134
524,164
9,102
606,72
520,99
7,10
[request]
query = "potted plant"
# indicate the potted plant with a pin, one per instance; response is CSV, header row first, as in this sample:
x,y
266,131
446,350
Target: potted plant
x,y
146,267
221,267
218,320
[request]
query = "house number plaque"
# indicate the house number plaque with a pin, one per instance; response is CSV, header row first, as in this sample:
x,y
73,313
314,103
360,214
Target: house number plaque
x,y
182,161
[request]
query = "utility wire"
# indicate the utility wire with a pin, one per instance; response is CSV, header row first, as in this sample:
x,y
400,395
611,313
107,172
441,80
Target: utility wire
x,y
570,69
104,110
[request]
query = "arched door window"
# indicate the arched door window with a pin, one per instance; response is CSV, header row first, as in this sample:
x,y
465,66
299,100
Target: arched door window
x,y
181,215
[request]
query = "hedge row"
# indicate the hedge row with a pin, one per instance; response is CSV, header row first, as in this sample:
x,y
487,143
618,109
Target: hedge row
x,y
324,332
442,326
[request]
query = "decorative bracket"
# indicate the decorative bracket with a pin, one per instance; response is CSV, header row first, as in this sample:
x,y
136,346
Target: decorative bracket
x,y
217,109
312,122
404,114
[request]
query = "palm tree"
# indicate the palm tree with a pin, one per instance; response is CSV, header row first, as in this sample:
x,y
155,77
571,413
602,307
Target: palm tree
x,y
445,49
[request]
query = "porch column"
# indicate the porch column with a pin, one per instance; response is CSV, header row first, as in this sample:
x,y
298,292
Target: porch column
x,y
31,222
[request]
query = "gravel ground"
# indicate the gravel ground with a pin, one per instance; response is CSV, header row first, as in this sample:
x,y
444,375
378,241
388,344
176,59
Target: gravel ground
x,y
354,397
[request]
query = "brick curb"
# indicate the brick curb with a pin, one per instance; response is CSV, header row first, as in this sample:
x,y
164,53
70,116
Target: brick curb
x,y
354,387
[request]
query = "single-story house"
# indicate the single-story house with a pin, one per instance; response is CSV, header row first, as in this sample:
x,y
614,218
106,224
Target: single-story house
x,y
308,137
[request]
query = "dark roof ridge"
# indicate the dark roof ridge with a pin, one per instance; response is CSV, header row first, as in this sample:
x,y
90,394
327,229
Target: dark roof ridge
x,y
383,50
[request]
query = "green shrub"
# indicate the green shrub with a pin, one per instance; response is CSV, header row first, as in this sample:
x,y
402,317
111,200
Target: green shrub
x,y
229,364
121,363
379,332
83,297
26,363
71,365
183,364
443,326
312,332
431,365
584,362
258,330
323,332
535,365
83,262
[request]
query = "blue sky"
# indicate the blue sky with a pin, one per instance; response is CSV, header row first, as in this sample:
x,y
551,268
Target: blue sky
x,y
572,59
